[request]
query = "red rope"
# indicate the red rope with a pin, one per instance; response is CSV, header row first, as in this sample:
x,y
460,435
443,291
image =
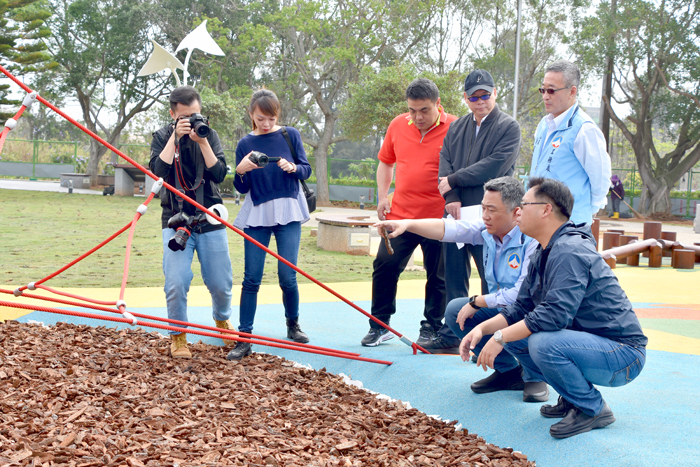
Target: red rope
x,y
127,256
79,314
7,129
182,323
203,209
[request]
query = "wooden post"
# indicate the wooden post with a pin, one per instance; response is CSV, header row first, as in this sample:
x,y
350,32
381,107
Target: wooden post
x,y
595,228
655,256
683,259
652,229
610,240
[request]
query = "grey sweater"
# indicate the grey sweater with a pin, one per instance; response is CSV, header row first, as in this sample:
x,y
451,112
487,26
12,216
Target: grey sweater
x,y
468,164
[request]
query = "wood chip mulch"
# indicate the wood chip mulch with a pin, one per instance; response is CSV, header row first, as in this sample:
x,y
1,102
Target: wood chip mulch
x,y
81,396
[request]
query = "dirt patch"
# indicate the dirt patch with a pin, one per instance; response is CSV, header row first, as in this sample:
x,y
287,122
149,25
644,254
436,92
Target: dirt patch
x,y
354,205
83,396
659,216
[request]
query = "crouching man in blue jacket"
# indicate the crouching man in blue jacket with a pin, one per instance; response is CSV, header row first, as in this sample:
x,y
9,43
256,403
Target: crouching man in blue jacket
x,y
572,324
506,258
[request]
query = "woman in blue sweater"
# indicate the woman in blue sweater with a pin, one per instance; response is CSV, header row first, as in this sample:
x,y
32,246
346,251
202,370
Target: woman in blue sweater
x,y
274,204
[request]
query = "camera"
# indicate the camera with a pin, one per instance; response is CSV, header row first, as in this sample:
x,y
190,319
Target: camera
x,y
260,159
199,124
183,224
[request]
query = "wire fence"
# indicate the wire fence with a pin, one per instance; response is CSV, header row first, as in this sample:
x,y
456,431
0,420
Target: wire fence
x,y
342,172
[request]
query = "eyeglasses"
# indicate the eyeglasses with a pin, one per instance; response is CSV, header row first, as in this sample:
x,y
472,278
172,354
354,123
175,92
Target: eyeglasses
x,y
485,97
534,202
550,90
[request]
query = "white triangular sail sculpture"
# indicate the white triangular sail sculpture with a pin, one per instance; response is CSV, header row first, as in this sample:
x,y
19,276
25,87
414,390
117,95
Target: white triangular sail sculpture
x,y
198,39
161,60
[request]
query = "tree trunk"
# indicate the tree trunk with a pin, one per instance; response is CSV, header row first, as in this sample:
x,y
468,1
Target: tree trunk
x,y
321,156
97,150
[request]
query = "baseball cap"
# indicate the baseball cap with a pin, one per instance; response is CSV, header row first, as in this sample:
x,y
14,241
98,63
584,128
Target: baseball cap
x,y
478,79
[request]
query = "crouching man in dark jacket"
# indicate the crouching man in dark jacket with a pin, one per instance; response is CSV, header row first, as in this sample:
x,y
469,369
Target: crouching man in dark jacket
x,y
572,324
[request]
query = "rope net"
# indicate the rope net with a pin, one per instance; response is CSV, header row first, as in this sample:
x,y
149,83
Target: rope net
x,y
130,318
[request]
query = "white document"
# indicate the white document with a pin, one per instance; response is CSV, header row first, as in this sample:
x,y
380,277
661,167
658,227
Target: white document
x,y
469,214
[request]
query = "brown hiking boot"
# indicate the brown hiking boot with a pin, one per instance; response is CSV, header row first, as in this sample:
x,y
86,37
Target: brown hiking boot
x,y
225,325
178,346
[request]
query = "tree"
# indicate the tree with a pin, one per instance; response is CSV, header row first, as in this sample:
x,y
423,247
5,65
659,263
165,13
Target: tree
x,y
22,48
327,43
379,96
100,48
657,50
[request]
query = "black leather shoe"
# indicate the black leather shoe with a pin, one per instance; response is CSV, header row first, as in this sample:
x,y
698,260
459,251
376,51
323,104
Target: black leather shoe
x,y
440,345
559,410
243,349
535,392
295,333
511,380
576,422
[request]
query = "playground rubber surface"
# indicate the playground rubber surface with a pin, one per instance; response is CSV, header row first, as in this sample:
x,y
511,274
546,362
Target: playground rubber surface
x,y
657,415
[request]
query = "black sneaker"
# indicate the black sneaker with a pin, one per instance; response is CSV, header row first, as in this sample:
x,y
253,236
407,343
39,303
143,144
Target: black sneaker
x,y
440,345
295,333
577,421
559,410
376,336
427,333
511,380
243,349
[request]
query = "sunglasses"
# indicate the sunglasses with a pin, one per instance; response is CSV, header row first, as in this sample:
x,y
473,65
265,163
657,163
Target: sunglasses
x,y
485,97
551,91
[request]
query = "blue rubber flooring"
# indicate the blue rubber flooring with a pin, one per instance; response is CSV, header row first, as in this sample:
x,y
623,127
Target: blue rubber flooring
x,y
658,414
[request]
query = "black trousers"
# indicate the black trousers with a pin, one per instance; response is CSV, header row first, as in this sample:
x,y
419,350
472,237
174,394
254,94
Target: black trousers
x,y
458,269
388,268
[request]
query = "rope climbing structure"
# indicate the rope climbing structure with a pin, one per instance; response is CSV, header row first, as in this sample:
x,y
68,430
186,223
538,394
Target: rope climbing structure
x,y
120,306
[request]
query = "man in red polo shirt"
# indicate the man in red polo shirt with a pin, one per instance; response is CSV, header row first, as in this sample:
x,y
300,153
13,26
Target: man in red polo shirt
x,y
412,145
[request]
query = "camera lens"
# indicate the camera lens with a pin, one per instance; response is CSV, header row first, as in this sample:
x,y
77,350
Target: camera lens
x,y
201,129
179,240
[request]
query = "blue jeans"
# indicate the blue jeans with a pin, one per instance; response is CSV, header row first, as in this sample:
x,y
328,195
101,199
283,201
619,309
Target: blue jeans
x,y
215,264
573,361
287,237
504,361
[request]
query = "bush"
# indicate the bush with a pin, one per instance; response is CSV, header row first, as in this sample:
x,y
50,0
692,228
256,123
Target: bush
x,y
226,186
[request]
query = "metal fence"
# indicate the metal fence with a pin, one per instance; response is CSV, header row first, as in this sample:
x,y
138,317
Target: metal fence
x,y
339,171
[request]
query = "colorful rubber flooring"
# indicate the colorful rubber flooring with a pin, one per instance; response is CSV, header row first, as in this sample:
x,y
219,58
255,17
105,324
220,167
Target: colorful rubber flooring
x,y
658,414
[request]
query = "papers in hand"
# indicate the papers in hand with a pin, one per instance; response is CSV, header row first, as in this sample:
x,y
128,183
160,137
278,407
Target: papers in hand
x,y
469,214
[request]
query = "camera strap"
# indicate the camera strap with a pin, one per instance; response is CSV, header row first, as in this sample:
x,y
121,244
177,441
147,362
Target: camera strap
x,y
180,182
307,191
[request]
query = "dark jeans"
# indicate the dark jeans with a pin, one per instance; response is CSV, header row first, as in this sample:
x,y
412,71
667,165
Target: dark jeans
x,y
504,361
573,361
615,203
388,268
457,271
287,237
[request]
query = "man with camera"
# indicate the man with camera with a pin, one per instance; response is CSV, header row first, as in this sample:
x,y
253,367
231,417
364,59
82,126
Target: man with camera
x,y
188,155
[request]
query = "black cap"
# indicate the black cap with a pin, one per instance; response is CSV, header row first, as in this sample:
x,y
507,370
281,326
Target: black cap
x,y
478,79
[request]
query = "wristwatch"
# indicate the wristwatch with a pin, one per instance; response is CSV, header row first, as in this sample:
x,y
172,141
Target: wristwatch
x,y
498,337
472,302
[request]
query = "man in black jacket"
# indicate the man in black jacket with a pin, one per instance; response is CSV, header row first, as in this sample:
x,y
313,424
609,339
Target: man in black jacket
x,y
478,147
194,165
572,324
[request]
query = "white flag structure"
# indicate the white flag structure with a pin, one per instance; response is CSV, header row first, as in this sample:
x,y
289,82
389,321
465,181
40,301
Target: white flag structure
x,y
198,39
161,59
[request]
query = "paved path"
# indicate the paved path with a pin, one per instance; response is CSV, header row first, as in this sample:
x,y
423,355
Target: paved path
x,y
42,186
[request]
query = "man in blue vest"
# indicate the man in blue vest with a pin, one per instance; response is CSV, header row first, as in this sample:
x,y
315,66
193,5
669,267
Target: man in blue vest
x,y
569,146
506,258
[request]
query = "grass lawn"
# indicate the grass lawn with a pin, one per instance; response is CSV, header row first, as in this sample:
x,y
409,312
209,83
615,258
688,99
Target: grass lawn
x,y
43,231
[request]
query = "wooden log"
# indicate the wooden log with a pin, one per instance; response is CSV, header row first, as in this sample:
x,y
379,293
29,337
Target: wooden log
x,y
633,248
620,231
668,236
611,261
683,259
624,240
